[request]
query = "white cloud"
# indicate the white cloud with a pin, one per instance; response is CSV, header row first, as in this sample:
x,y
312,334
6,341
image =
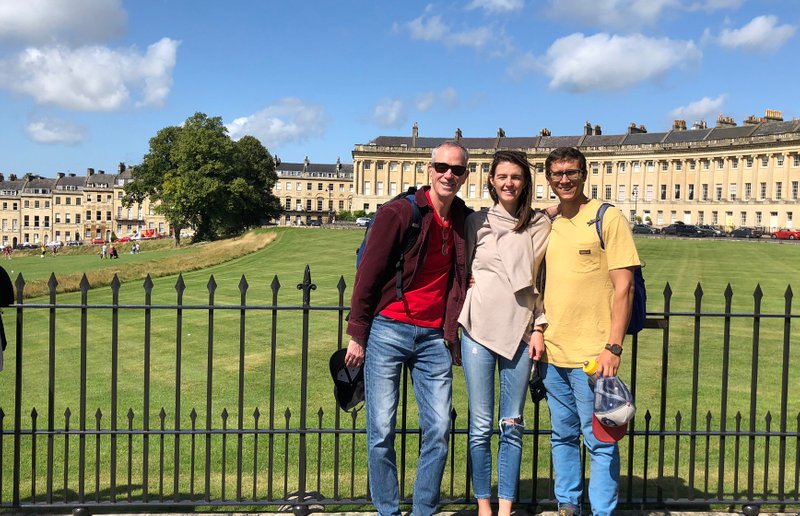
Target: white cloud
x,y
47,22
431,27
603,62
389,113
447,98
715,5
613,14
92,78
290,120
497,6
703,109
55,130
762,34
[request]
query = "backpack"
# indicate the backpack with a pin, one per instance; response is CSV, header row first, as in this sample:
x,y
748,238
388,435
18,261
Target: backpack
x,y
639,307
409,238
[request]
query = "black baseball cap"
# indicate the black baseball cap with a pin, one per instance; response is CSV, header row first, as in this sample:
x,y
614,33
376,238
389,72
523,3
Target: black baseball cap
x,y
348,382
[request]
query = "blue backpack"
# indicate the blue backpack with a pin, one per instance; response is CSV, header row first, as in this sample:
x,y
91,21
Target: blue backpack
x,y
409,238
639,308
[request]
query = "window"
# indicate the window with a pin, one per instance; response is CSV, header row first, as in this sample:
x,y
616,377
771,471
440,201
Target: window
x,y
420,167
609,168
705,164
287,205
392,188
367,188
308,204
473,167
58,200
472,191
692,164
677,192
637,166
36,221
690,192
608,193
734,163
594,192
341,204
718,192
406,167
679,165
779,160
663,192
660,217
367,165
748,162
720,164
664,166
108,215
309,186
392,166
379,188
621,193
540,191
648,193
298,205
99,215
759,220
26,204
778,190
485,168
764,161
319,187
701,217
288,186
743,218
789,221
748,191
88,215
77,201
57,218
704,192
380,165
650,165
762,191
26,221
796,161
732,191
319,204
621,167
77,218
795,187
595,169
66,218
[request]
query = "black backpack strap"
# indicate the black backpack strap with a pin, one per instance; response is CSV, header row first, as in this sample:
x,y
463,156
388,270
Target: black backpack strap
x,y
598,223
409,239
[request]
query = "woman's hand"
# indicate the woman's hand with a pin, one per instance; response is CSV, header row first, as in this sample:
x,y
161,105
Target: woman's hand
x,y
536,345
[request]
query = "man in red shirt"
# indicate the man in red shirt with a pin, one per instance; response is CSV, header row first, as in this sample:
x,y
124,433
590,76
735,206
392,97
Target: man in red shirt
x,y
418,330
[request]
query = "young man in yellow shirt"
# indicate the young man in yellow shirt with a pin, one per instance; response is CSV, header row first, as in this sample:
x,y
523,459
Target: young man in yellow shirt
x,y
588,304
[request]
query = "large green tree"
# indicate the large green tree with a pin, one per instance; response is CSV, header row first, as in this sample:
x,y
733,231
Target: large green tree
x,y
202,179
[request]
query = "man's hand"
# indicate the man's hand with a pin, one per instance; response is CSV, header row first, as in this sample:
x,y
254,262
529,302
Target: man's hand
x,y
536,345
355,354
607,363
455,352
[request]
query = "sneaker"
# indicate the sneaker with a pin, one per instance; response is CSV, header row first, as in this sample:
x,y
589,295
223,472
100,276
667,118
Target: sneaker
x,y
567,509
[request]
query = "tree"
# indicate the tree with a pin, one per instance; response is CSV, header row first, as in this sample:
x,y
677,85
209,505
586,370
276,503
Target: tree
x,y
199,178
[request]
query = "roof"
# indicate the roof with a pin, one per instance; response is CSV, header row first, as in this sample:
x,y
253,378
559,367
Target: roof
x,y
688,136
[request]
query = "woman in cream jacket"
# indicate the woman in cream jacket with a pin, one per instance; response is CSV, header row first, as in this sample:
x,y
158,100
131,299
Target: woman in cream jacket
x,y
502,322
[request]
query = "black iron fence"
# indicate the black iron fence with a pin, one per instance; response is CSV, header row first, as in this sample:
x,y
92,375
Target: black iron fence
x,y
210,397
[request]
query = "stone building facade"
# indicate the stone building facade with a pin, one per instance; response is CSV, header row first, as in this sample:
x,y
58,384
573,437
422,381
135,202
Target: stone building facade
x,y
729,175
312,192
40,210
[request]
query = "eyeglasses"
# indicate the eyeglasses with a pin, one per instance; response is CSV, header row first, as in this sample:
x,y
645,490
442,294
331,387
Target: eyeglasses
x,y
571,174
457,170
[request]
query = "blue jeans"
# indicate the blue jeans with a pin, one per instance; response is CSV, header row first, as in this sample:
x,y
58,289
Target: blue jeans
x,y
392,344
479,369
570,399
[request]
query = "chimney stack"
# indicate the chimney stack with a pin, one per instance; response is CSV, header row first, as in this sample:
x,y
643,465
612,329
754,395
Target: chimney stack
x,y
414,134
773,115
90,171
501,133
458,134
725,121
2,177
545,132
679,125
121,167
12,177
587,129
597,130
60,175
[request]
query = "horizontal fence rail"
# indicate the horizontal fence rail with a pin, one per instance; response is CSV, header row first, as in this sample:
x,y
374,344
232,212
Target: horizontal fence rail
x,y
170,396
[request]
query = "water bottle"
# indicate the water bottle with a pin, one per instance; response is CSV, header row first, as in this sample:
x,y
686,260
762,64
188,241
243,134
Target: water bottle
x,y
590,368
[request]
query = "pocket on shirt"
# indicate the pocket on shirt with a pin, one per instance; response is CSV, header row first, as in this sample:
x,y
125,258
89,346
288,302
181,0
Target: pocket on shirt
x,y
588,257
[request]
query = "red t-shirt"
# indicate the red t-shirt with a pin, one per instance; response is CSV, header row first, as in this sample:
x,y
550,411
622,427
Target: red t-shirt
x,y
424,301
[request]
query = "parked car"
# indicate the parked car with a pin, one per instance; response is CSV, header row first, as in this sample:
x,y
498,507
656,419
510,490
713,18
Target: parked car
x,y
314,223
713,231
98,241
786,234
25,245
74,243
644,229
681,229
123,239
745,232
362,221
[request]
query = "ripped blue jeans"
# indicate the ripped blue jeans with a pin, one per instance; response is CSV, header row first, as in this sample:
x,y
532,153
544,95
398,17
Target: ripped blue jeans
x,y
479,366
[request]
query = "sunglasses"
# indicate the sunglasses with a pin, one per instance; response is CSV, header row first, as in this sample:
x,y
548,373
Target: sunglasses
x,y
457,170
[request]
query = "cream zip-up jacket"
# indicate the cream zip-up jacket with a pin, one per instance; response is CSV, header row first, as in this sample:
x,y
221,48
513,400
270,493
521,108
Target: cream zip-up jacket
x,y
504,303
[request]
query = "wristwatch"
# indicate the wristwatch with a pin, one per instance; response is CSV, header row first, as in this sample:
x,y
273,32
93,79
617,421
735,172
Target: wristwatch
x,y
615,349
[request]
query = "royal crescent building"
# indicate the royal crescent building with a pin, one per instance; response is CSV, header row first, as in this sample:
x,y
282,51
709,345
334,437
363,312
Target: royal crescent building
x,y
728,175
312,193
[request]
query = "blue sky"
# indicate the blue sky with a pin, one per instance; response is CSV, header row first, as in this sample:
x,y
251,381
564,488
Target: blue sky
x,y
86,83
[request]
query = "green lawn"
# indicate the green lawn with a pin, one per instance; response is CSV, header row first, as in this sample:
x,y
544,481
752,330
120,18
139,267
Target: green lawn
x,y
244,358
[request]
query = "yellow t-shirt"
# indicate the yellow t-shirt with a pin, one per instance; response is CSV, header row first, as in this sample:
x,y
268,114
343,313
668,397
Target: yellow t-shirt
x,y
579,293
